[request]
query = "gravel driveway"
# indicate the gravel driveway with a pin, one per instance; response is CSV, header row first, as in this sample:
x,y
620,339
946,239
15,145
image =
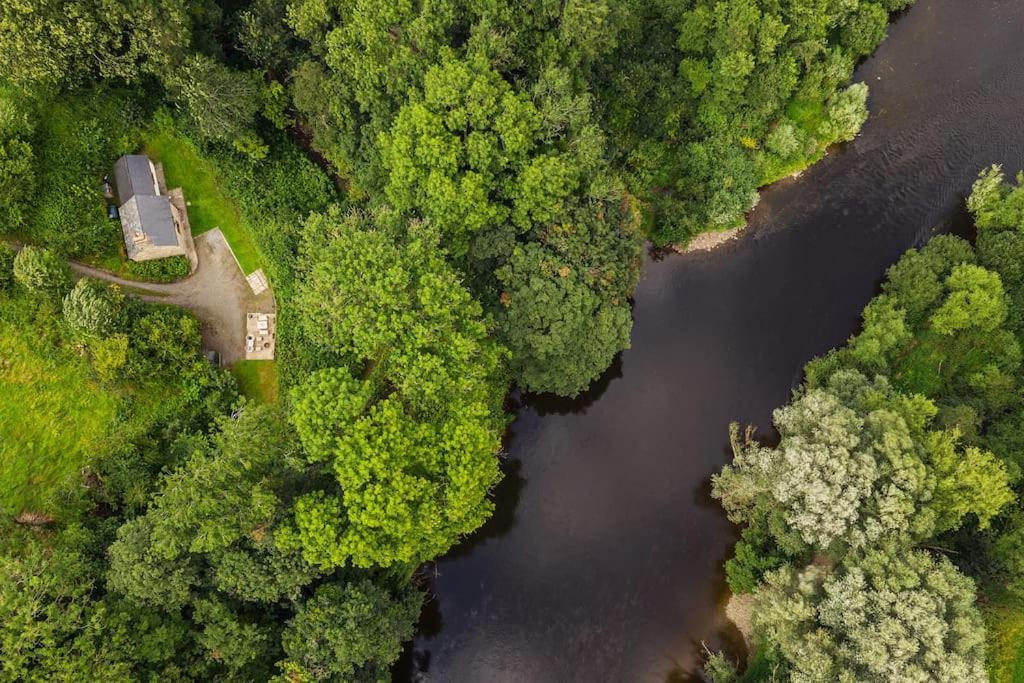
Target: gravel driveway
x,y
217,293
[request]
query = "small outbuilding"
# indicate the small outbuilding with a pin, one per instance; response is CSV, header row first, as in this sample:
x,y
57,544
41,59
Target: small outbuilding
x,y
153,226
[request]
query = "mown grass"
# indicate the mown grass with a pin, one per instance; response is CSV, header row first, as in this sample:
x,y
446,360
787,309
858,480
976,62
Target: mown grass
x,y
257,379
210,205
1005,620
53,418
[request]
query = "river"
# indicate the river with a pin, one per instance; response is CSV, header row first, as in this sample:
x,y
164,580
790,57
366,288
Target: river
x,y
603,560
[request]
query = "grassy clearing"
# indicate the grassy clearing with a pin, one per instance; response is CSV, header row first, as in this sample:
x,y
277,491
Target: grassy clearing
x,y
210,205
1005,620
257,379
53,417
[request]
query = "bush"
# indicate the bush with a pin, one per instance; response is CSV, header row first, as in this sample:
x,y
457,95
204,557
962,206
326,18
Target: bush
x,y
41,271
159,270
94,308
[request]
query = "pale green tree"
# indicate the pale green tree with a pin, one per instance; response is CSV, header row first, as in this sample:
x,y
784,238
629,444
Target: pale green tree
x,y
41,270
893,615
94,308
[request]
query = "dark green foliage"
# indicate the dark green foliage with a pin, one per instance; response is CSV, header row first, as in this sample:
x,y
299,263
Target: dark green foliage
x,y
17,159
343,630
159,270
7,256
261,33
711,100
754,555
221,103
75,146
562,334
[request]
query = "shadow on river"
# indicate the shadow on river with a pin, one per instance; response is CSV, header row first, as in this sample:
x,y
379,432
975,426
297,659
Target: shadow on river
x,y
603,560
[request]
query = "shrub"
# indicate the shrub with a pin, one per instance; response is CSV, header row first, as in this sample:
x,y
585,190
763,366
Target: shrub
x,y
41,271
93,308
159,270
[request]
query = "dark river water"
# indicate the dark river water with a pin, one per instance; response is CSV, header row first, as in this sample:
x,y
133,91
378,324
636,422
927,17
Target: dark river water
x,y
603,560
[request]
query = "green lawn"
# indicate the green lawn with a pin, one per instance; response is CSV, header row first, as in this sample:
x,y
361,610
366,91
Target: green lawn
x,y
210,205
53,417
257,379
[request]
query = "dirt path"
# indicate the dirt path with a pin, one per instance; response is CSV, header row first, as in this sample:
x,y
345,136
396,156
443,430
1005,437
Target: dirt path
x,y
217,293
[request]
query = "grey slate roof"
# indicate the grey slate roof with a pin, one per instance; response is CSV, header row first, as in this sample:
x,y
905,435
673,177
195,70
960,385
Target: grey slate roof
x,y
152,216
133,175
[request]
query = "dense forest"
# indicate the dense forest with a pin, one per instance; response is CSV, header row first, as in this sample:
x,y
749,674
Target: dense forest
x,y
891,506
449,198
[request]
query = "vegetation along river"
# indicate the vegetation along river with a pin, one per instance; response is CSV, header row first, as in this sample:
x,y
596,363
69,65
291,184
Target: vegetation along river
x,y
602,562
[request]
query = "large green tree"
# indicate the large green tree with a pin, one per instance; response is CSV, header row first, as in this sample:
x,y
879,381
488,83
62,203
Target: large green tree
x,y
65,43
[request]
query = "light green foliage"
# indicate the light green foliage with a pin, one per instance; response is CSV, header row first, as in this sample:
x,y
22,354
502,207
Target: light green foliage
x,y
109,356
855,466
719,669
976,301
369,56
893,615
994,204
885,332
434,472
391,302
94,308
846,113
435,478
913,285
275,102
41,271
328,399
969,482
64,43
348,628
467,156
